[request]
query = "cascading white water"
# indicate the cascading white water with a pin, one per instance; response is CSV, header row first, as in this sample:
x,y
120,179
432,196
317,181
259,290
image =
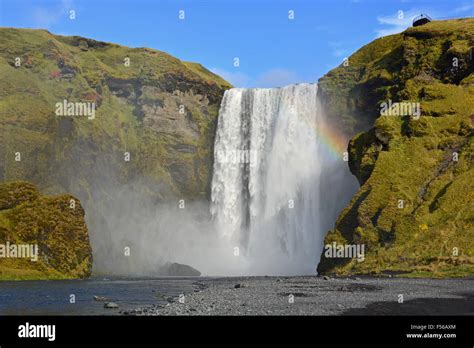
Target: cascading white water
x,y
277,189
266,192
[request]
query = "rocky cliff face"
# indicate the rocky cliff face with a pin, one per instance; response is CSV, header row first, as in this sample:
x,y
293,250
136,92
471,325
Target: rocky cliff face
x,y
41,237
158,109
414,211
95,119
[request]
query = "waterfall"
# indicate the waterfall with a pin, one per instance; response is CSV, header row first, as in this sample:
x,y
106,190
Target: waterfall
x,y
279,183
266,194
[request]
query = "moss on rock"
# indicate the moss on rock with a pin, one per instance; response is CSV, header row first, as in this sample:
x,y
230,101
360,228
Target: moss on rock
x,y
414,210
152,135
55,224
159,109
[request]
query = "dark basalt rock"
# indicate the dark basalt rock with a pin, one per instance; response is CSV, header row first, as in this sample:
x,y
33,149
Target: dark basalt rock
x,y
178,270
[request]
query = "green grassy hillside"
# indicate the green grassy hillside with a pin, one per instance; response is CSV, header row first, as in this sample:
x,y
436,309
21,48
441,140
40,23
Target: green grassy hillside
x,y
159,109
152,133
55,224
414,211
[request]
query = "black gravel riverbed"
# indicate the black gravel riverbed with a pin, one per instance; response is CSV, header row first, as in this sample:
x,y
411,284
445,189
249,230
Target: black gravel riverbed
x,y
312,295
309,295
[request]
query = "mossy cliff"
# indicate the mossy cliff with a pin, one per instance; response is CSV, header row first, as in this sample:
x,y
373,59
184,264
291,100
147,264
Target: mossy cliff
x,y
160,110
151,136
414,211
53,225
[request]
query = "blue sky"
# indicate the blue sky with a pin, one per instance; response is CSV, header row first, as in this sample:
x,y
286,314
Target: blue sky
x,y
273,50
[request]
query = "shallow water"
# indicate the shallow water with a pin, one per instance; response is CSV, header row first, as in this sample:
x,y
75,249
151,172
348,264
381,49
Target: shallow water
x,y
53,297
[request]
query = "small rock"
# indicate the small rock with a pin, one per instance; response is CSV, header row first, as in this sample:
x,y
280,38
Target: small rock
x,y
110,305
326,278
100,298
240,285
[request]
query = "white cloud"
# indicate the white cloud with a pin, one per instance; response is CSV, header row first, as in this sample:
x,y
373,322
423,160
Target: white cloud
x,y
237,79
463,8
392,24
399,21
268,79
46,17
396,23
277,78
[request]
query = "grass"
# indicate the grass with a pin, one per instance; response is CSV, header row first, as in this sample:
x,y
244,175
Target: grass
x,y
129,113
137,111
407,159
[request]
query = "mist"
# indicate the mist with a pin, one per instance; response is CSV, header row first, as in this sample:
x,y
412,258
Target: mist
x,y
268,217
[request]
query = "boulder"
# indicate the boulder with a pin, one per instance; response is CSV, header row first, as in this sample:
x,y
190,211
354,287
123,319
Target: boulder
x,y
178,270
110,305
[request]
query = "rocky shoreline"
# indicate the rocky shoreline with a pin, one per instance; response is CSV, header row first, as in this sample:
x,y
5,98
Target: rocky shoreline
x,y
311,295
